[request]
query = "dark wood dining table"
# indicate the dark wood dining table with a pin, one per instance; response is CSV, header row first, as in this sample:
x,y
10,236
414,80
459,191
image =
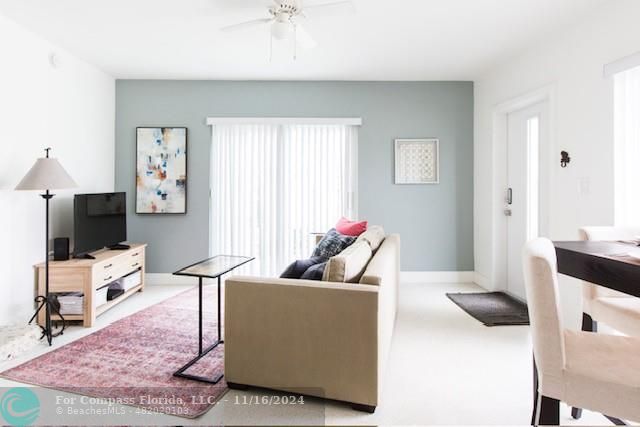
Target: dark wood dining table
x,y
605,264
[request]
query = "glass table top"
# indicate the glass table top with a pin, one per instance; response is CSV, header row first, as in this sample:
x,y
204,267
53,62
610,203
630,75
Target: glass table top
x,y
214,267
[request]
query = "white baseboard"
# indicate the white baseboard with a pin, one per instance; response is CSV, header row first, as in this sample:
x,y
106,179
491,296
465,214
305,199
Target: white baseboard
x,y
405,277
482,281
437,276
168,279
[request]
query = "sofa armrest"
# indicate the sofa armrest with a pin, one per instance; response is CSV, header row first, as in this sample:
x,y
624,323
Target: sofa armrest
x,y
301,336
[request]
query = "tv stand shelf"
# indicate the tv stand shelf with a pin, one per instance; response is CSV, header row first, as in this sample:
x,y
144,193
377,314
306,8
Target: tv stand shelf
x,y
88,275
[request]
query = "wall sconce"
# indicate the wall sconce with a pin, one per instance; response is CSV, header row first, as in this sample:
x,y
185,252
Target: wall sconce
x,y
564,159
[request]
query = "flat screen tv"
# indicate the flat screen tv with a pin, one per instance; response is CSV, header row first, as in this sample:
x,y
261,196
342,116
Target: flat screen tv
x,y
100,220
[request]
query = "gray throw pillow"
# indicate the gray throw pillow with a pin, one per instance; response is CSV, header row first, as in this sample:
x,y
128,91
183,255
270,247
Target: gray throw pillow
x,y
332,244
315,272
298,268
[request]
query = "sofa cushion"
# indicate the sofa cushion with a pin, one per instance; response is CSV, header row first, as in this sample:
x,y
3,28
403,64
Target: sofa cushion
x,y
383,266
315,272
373,236
349,264
332,244
296,269
351,228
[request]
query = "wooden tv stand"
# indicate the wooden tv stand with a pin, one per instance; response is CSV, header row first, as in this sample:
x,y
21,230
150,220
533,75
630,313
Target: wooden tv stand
x,y
87,275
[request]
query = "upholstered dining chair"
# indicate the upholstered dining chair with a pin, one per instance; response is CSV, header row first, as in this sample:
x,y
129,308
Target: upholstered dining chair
x,y
617,310
587,370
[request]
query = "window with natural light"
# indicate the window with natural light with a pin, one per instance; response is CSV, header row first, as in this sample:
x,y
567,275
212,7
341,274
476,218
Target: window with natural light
x,y
274,184
627,146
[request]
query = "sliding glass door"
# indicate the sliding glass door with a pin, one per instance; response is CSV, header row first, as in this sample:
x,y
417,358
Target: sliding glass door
x,y
627,146
273,185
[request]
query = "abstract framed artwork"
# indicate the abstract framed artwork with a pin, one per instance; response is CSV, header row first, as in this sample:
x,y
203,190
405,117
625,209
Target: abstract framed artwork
x,y
417,161
161,170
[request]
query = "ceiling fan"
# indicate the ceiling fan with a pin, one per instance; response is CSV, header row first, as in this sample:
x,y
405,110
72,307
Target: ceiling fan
x,y
284,17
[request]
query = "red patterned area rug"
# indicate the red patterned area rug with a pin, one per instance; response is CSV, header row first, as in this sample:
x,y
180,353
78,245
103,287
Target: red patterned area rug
x,y
132,360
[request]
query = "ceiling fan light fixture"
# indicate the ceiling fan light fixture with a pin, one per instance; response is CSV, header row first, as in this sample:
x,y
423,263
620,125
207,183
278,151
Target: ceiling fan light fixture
x,y
284,21
281,29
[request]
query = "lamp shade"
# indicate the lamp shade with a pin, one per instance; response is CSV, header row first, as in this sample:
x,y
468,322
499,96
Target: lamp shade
x,y
46,174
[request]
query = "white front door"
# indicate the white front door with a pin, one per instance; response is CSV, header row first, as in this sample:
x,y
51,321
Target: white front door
x,y
527,135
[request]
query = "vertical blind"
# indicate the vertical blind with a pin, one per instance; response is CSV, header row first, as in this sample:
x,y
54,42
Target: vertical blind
x,y
627,147
272,185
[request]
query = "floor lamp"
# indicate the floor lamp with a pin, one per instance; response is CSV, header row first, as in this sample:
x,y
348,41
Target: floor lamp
x,y
46,174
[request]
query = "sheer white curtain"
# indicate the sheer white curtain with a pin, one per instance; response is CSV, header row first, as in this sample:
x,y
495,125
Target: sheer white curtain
x,y
272,185
627,147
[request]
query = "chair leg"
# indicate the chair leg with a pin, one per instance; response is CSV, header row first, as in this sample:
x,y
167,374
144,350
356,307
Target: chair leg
x,y
549,414
576,413
534,413
588,325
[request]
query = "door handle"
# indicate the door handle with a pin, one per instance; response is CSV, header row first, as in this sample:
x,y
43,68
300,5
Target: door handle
x,y
509,196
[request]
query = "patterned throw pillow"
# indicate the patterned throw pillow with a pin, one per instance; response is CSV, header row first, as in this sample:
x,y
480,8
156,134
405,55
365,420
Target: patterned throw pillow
x,y
332,244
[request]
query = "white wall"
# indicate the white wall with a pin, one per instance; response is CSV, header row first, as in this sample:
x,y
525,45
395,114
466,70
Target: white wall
x,y
572,63
70,108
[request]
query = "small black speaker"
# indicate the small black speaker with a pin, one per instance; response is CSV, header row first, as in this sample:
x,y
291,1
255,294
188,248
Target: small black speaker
x,y
61,249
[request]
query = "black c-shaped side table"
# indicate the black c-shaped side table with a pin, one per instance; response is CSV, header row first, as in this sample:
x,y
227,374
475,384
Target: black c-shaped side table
x,y
210,268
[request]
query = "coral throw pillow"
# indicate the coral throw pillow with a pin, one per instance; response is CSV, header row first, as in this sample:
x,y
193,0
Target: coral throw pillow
x,y
351,228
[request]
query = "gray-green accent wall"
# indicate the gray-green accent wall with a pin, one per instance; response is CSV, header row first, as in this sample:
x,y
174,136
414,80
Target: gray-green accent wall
x,y
435,222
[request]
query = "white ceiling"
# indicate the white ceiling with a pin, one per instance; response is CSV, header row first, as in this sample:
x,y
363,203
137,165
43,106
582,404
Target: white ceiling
x,y
377,40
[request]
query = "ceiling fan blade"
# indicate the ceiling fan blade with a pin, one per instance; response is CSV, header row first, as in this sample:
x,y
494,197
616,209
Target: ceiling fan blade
x,y
336,5
218,7
235,4
246,25
304,39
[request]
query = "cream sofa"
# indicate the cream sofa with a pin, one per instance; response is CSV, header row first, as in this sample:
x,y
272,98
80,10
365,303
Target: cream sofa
x,y
325,339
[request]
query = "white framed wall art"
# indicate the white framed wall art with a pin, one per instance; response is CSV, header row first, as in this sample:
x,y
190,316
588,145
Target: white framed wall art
x,y
417,161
